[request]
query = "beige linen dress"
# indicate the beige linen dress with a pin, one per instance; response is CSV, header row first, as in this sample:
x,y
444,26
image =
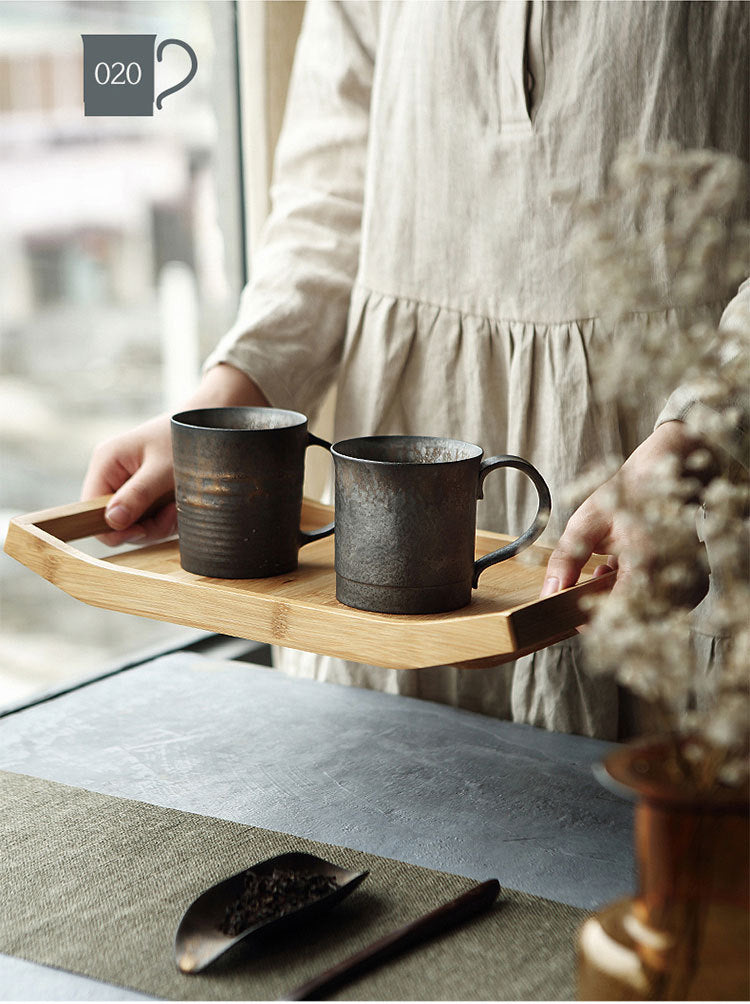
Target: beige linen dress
x,y
417,253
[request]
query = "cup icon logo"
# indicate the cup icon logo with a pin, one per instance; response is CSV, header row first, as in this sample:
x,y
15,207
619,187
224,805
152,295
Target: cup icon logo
x,y
118,73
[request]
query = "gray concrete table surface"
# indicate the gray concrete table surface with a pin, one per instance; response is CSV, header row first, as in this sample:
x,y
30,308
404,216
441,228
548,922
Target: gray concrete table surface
x,y
403,778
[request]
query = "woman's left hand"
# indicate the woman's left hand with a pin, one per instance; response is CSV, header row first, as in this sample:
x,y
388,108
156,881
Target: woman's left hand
x,y
594,528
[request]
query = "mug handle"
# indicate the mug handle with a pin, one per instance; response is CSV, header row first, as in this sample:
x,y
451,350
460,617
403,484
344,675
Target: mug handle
x,y
188,78
307,536
540,520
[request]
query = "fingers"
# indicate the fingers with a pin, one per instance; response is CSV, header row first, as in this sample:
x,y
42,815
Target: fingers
x,y
131,536
589,531
136,495
136,469
612,521
163,523
601,570
106,473
129,504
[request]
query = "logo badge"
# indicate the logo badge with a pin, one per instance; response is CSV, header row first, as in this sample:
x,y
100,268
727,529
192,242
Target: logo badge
x,y
118,73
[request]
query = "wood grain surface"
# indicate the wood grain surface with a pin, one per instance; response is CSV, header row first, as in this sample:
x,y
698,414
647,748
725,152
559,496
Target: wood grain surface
x,y
505,618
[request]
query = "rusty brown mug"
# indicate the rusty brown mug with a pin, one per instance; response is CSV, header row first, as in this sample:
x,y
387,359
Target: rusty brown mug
x,y
238,487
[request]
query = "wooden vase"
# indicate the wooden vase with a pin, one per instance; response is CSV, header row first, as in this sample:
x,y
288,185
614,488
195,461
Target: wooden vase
x,y
685,934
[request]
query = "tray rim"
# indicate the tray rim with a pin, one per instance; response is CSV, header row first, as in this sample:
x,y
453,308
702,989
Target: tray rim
x,y
41,541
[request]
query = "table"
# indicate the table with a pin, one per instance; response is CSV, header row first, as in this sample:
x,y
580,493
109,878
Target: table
x,y
395,776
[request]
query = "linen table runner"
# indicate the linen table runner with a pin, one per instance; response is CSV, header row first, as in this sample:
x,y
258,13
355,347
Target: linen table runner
x,y
96,885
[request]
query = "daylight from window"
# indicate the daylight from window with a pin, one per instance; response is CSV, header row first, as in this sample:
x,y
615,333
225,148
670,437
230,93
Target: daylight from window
x,y
119,269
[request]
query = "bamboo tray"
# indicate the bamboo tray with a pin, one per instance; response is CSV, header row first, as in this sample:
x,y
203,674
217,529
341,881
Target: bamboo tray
x,y
299,610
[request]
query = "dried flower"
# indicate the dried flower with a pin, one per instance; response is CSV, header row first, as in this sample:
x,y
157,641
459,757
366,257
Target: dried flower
x,y
670,230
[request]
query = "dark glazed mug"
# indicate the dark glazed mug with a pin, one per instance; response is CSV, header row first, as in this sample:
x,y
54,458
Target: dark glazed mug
x,y
238,487
406,521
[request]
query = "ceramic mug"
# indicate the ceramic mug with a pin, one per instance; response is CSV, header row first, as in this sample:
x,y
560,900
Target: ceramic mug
x,y
238,488
406,521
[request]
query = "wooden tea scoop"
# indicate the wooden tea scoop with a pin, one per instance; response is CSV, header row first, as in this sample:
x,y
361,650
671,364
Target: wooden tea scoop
x,y
441,919
202,935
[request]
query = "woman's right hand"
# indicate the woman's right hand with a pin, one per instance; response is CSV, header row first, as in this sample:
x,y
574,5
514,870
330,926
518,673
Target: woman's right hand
x,y
136,467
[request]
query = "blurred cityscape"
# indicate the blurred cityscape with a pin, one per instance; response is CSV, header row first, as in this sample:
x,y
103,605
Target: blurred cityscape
x,y
120,266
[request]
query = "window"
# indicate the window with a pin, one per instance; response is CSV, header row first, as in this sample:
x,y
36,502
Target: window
x,y
120,266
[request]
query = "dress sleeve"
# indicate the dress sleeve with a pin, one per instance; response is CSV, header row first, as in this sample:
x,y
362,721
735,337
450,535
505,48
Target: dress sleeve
x,y
686,403
291,323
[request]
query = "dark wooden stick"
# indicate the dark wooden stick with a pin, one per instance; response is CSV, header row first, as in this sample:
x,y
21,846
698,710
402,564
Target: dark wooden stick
x,y
438,920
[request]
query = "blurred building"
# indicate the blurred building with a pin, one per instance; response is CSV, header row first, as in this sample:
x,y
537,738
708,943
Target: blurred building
x,y
92,209
119,249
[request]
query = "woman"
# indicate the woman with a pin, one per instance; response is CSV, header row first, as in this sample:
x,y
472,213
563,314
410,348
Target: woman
x,y
417,254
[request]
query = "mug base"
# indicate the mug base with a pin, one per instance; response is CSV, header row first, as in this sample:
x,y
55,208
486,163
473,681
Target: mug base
x,y
402,599
200,565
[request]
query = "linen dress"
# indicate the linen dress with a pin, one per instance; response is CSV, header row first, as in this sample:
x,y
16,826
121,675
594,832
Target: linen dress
x,y
418,254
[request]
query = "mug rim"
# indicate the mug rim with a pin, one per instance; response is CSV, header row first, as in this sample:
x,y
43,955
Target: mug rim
x,y
182,418
336,451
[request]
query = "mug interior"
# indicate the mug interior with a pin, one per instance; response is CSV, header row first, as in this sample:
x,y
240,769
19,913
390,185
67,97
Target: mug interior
x,y
407,450
241,419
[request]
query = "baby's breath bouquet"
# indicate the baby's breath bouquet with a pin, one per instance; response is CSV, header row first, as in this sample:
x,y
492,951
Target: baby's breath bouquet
x,y
672,228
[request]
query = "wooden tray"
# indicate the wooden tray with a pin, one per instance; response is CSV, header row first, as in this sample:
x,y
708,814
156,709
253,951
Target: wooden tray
x,y
299,610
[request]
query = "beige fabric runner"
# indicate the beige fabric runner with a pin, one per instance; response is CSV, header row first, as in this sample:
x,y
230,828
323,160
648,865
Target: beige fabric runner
x,y
96,885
